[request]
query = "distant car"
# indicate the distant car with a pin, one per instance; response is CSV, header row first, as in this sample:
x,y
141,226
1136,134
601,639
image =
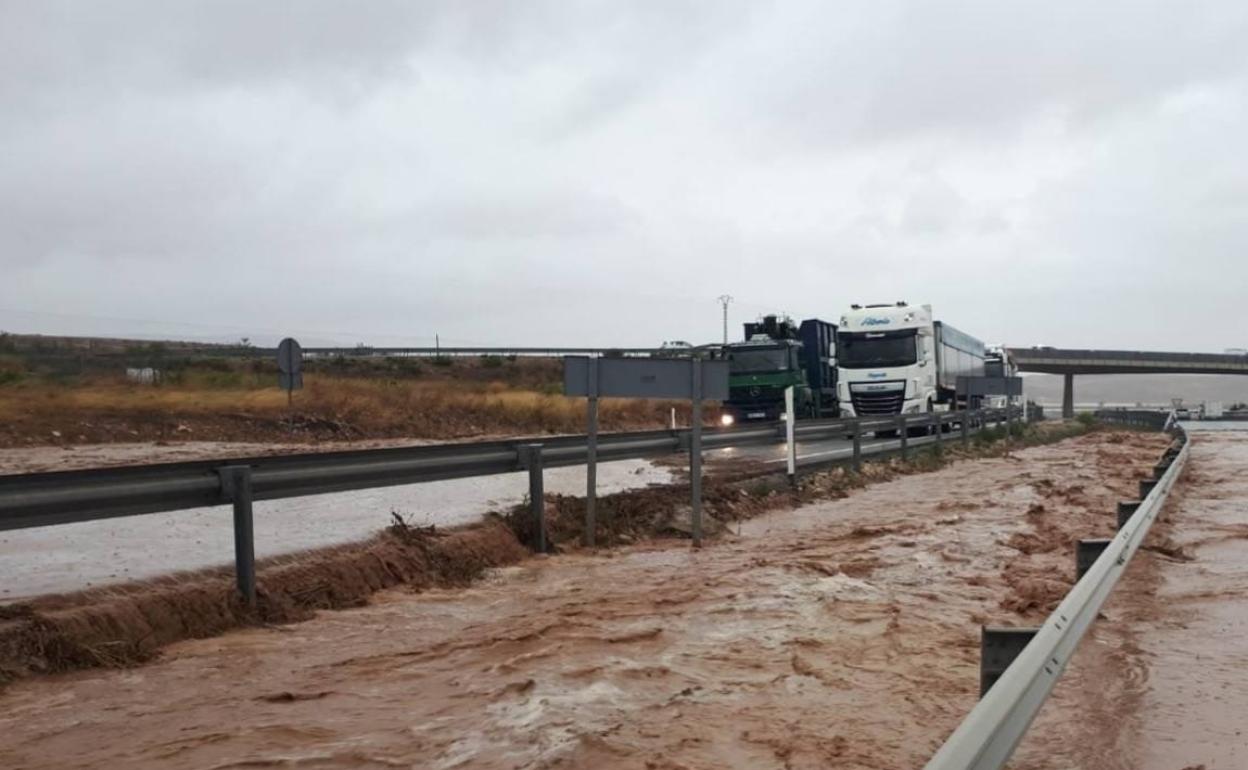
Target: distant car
x,y
674,349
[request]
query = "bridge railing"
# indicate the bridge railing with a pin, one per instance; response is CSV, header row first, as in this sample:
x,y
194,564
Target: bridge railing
x,y
1137,418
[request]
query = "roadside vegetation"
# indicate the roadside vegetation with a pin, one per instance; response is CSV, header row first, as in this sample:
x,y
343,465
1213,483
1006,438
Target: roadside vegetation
x,y
59,397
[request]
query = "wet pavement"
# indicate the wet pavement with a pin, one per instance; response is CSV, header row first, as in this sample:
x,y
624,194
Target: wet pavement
x,y
842,634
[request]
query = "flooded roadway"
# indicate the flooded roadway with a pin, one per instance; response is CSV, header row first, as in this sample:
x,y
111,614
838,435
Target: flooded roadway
x,y
843,634
1161,682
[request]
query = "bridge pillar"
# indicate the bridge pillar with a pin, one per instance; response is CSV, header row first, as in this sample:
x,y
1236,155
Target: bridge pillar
x,y
1068,397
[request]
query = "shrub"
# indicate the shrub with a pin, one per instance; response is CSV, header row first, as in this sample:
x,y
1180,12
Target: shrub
x,y
12,370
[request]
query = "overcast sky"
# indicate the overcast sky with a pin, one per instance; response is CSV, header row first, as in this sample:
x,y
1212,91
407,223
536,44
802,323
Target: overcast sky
x,y
1061,172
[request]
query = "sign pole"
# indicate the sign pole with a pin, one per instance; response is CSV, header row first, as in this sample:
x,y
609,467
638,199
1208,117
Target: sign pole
x,y
1005,388
790,445
591,468
693,379
695,454
289,369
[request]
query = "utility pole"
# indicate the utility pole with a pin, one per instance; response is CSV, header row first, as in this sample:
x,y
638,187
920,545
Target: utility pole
x,y
724,299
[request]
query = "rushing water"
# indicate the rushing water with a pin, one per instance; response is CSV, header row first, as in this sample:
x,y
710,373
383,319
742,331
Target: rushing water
x,y
842,634
1161,681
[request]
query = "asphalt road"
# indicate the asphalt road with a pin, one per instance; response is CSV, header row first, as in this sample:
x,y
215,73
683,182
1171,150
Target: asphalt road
x,y
814,452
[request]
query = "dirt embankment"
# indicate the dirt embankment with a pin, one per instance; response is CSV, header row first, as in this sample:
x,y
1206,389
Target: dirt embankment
x,y
128,624
841,634
734,493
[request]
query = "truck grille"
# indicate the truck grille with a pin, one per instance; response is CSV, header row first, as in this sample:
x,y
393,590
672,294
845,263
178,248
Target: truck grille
x,y
867,404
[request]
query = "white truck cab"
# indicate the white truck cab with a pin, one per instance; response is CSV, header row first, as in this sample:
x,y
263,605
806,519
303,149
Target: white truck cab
x,y
895,359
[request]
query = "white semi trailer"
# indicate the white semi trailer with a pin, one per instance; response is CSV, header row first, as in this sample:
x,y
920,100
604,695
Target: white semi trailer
x,y
895,359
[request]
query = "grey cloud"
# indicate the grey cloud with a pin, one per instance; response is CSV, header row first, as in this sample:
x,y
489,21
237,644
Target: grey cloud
x,y
571,172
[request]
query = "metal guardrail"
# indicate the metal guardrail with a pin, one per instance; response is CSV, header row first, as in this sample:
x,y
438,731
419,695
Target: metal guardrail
x,y
176,350
456,352
44,499
991,731
47,499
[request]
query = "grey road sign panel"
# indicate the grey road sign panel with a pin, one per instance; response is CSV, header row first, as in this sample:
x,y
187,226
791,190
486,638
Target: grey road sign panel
x,y
290,381
289,356
990,386
645,378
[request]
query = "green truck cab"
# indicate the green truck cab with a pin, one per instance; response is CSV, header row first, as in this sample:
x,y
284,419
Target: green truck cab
x,y
776,355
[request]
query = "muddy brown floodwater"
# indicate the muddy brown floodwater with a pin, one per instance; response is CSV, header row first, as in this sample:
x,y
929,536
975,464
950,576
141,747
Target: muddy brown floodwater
x,y
1161,681
843,634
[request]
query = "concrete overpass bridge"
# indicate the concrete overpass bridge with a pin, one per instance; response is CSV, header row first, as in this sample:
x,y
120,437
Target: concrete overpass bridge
x,y
1071,362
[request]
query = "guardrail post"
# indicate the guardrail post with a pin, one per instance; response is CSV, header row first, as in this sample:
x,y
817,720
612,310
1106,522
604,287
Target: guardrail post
x,y
1163,465
903,433
966,427
938,419
857,437
531,458
236,488
695,455
790,443
1126,509
1146,486
591,465
998,647
1086,554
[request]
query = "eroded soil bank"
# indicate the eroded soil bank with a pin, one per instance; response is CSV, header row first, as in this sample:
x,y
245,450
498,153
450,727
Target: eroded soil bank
x,y
843,634
1161,681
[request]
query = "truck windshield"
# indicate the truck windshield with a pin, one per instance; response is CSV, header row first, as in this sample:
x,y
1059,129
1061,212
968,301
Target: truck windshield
x,y
876,350
753,359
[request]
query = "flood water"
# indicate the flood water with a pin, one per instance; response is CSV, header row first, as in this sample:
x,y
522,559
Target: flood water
x,y
844,634
1161,682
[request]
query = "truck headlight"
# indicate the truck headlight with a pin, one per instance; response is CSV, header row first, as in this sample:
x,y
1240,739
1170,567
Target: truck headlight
x,y
726,420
